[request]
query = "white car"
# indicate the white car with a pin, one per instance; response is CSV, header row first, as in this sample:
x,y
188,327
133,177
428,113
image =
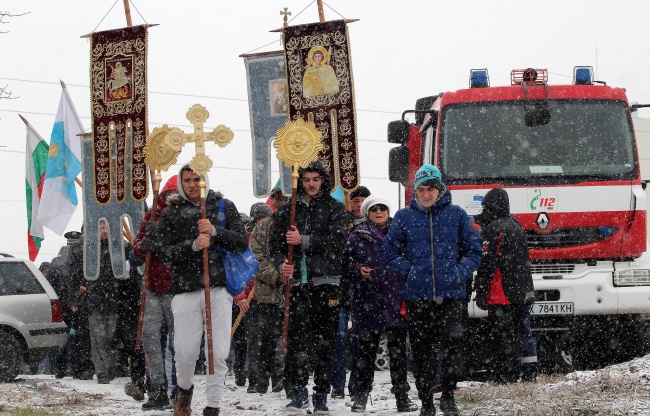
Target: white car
x,y
31,324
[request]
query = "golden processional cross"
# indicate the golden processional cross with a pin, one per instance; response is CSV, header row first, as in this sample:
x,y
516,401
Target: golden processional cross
x,y
162,149
175,139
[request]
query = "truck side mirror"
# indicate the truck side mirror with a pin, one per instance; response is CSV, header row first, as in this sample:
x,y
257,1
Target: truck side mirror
x,y
398,132
398,164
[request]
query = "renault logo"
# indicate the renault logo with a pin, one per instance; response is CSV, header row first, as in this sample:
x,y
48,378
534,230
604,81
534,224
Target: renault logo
x,y
542,221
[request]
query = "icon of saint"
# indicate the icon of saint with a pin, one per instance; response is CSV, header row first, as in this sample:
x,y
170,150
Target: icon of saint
x,y
319,78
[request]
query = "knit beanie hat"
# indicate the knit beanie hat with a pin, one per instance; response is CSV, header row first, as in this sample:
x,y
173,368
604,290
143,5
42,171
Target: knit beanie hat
x,y
260,210
360,191
373,200
430,174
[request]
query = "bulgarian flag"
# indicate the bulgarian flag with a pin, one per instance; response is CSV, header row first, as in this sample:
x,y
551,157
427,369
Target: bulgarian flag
x,y
35,161
59,195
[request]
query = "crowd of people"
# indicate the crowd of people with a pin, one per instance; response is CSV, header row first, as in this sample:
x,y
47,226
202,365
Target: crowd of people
x,y
406,277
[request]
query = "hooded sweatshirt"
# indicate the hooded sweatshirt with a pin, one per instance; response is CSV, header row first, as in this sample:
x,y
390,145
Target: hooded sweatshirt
x,y
504,275
160,280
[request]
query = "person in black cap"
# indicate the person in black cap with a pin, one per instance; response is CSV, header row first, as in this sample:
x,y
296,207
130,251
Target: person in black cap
x,y
356,199
276,198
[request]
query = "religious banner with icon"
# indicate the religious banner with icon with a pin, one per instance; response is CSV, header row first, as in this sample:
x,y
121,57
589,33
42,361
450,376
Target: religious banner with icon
x,y
267,107
118,75
321,90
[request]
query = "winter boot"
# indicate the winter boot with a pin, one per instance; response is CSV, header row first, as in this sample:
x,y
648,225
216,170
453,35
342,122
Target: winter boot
x,y
184,402
135,390
428,409
338,393
299,401
319,400
157,398
448,405
360,401
278,386
404,404
211,411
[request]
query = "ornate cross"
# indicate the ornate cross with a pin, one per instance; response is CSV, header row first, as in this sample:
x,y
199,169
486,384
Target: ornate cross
x,y
285,13
175,139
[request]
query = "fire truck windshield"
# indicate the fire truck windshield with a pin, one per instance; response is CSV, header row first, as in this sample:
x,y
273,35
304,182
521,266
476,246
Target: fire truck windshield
x,y
585,140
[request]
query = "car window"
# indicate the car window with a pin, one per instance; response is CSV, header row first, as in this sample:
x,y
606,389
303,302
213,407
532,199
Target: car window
x,y
17,279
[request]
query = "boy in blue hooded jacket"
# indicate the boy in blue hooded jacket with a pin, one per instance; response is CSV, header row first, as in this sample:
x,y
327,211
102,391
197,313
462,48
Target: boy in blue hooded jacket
x,y
434,248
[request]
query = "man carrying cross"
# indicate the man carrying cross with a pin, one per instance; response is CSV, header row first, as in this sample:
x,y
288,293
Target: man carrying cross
x,y
317,239
182,236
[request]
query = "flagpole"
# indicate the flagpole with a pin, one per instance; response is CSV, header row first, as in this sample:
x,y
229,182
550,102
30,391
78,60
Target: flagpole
x,y
127,12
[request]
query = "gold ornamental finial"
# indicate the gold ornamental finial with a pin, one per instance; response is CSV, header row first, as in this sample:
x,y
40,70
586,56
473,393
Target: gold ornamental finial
x,y
297,145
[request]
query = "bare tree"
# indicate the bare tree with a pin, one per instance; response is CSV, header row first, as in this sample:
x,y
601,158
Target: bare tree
x,y
4,17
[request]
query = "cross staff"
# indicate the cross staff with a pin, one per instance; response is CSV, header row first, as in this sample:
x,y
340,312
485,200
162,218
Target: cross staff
x,y
172,143
298,144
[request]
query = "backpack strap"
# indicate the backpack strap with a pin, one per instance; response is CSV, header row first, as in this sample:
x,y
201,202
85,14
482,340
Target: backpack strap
x,y
222,213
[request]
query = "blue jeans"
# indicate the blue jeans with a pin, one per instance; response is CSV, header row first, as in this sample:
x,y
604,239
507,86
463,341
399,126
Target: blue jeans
x,y
339,363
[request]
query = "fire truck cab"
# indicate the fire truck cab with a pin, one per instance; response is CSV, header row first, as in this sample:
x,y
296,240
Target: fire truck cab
x,y
567,156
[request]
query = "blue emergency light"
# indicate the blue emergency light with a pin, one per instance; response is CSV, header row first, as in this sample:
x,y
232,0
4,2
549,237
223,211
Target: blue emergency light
x,y
582,75
478,78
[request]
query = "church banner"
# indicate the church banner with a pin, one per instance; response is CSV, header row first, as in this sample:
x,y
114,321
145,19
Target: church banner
x,y
118,74
267,107
114,171
321,89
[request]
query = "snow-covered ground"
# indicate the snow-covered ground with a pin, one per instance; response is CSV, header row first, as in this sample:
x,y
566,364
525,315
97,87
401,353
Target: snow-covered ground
x,y
622,389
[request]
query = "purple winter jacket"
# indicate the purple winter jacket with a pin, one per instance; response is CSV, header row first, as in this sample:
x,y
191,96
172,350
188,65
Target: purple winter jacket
x,y
375,302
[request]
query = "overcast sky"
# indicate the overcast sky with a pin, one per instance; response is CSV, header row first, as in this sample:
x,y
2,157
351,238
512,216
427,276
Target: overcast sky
x,y
401,51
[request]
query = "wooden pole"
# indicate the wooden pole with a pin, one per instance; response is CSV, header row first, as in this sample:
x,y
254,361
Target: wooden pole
x,y
206,287
287,286
321,12
155,181
240,316
127,12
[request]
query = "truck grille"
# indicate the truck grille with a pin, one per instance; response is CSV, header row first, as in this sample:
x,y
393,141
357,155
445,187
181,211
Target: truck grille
x,y
551,269
567,237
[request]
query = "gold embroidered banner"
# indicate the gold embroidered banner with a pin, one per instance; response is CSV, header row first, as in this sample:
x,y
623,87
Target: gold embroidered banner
x,y
321,89
118,74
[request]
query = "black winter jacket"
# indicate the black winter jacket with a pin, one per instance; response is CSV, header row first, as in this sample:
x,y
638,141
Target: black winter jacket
x,y
324,226
503,233
177,230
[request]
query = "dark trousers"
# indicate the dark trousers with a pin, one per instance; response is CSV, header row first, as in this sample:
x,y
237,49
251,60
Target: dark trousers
x,y
239,344
368,344
264,329
436,333
82,364
505,342
339,363
313,320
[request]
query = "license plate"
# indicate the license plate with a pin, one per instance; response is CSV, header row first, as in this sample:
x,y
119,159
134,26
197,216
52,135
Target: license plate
x,y
552,308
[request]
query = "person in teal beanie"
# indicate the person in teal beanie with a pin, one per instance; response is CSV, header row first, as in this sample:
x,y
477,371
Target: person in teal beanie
x,y
433,247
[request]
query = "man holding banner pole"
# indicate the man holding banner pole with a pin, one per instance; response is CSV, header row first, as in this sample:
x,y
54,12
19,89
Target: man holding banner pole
x,y
318,237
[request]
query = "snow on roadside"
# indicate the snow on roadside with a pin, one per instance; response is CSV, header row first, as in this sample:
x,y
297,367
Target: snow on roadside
x,y
622,389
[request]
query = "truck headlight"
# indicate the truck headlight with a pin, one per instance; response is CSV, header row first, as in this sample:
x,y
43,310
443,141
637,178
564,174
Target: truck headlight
x,y
632,278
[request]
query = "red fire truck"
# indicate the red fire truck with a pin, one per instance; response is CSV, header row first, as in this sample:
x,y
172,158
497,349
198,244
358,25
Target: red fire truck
x,y
567,156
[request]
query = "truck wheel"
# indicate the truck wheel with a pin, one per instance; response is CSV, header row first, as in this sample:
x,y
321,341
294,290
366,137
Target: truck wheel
x,y
11,357
553,352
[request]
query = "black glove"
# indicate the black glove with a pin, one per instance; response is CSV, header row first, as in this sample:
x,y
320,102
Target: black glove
x,y
148,242
480,301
